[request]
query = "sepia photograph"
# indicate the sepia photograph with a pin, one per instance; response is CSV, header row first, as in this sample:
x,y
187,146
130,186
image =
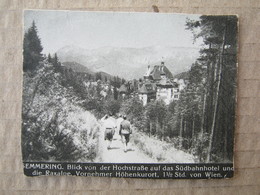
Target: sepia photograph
x,y
133,88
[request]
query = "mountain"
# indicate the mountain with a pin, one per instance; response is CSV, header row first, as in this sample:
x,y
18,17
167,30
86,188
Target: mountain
x,y
106,75
77,67
130,63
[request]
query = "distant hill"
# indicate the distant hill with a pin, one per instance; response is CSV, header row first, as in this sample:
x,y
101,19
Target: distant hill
x,y
77,67
104,74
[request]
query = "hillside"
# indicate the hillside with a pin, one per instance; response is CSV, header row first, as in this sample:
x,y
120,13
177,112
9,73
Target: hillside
x,y
55,127
79,68
106,75
76,67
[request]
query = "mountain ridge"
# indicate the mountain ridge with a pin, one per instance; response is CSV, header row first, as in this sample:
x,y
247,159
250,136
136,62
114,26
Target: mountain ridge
x,y
77,67
130,63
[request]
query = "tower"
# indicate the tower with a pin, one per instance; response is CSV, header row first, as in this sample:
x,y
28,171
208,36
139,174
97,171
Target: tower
x,y
162,73
147,74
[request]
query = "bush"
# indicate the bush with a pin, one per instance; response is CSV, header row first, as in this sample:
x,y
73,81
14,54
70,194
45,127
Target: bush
x,y
161,151
199,148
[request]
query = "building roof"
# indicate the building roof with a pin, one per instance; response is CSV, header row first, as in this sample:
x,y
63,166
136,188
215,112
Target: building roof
x,y
159,70
176,85
167,83
147,87
123,89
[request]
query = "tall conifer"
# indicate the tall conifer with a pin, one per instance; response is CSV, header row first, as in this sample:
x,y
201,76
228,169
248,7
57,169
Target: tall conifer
x,y
32,49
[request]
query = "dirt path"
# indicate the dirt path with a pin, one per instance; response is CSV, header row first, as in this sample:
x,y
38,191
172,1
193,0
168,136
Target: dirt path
x,y
116,153
135,155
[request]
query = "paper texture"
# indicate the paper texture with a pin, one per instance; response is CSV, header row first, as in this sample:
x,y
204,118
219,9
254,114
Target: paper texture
x,y
246,179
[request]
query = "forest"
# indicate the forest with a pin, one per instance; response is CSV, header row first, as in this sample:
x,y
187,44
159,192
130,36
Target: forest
x,y
201,122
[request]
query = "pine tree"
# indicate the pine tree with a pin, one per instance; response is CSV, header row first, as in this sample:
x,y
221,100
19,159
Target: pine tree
x,y
56,63
115,92
32,49
49,58
219,59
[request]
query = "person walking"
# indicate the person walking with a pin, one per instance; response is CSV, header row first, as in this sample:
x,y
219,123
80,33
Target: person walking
x,y
118,125
125,131
109,127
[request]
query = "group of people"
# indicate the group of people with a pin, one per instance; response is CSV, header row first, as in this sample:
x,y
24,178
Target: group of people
x,y
116,127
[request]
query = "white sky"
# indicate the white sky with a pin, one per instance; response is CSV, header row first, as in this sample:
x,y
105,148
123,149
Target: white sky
x,y
91,30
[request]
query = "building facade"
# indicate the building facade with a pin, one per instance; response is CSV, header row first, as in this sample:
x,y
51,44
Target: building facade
x,y
158,84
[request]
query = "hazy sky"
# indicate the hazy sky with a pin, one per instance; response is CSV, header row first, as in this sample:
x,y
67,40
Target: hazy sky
x,y
91,30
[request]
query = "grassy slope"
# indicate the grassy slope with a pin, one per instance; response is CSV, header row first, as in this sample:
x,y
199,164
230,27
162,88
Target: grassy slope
x,y
56,120
161,151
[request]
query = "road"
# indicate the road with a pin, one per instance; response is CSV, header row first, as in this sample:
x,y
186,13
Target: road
x,y
116,153
159,150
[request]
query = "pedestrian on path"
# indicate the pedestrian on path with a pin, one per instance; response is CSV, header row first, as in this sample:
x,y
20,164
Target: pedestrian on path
x,y
118,125
125,131
109,127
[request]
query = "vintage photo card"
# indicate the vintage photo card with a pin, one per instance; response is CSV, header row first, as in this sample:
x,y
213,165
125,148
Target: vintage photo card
x,y
141,95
